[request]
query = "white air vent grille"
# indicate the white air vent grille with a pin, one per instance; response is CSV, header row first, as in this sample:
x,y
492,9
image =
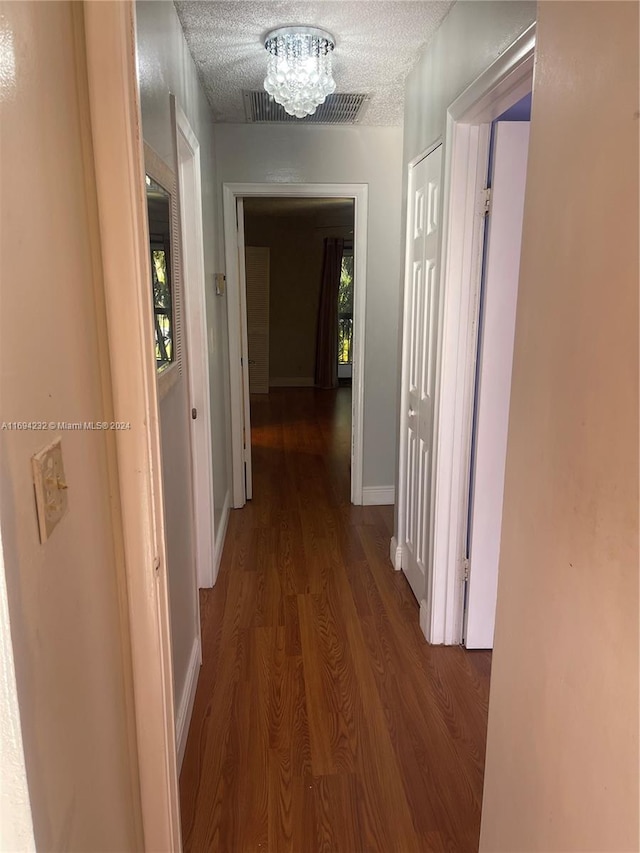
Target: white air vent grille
x,y
339,108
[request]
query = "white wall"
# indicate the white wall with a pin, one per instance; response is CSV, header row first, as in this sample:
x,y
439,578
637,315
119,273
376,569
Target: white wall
x,y
165,66
67,597
562,746
293,154
471,37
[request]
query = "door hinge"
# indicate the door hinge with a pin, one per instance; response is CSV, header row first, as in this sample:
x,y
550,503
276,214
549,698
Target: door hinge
x,y
156,565
465,569
194,414
486,201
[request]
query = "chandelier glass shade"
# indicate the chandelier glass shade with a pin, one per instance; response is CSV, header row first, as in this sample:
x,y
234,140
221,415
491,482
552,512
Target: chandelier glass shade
x,y
299,75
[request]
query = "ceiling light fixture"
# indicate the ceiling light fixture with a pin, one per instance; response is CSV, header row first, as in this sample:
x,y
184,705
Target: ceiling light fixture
x,y
299,73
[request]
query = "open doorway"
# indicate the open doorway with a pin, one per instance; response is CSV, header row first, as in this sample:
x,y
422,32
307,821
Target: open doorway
x,y
299,286
506,179
316,350
299,260
458,197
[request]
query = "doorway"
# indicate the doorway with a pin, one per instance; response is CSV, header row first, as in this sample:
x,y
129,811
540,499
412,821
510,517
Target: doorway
x,y
292,195
506,181
464,201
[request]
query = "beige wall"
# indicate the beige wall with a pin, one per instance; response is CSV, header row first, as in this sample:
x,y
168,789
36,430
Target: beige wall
x,y
372,155
562,754
66,598
296,244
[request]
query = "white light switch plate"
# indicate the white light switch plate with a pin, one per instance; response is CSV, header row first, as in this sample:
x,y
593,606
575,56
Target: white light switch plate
x,y
50,487
219,279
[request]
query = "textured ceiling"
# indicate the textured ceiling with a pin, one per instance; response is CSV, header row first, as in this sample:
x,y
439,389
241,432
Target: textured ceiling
x,y
377,43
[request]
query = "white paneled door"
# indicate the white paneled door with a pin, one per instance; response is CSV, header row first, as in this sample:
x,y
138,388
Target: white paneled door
x,y
418,375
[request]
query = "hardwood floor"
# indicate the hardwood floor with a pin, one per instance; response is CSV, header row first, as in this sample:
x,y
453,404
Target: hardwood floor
x,y
322,719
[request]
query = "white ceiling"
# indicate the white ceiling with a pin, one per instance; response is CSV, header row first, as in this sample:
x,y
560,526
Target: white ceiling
x,y
377,43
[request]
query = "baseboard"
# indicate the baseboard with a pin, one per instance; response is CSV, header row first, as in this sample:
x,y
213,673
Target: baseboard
x,y
292,382
378,495
185,709
424,619
221,536
395,554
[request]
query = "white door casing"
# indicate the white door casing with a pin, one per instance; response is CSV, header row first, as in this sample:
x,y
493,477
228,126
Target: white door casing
x,y
244,349
117,150
418,370
495,356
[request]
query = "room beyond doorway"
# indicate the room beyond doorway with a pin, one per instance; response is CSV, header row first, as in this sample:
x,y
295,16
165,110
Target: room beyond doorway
x,y
326,326
299,285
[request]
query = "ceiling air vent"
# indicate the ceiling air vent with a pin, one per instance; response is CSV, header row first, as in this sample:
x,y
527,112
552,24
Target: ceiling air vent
x,y
339,108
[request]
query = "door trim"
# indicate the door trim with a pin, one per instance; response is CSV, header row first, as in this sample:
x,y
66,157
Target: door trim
x,y
469,119
195,319
359,193
119,169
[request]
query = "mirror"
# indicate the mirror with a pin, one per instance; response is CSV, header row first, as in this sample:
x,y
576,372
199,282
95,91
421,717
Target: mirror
x,y
159,215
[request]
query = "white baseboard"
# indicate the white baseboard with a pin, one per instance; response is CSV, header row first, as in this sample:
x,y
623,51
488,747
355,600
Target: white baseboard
x,y
291,382
395,554
378,495
221,536
424,627
185,708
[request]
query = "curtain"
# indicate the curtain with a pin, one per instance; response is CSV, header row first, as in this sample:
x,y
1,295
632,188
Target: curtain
x,y
327,339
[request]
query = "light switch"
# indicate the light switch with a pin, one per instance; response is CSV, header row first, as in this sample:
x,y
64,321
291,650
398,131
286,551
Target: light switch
x,y
50,487
219,279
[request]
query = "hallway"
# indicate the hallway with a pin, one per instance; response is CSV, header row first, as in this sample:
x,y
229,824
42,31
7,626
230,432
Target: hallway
x,y
322,719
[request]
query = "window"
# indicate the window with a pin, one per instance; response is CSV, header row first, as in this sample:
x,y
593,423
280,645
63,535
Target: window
x,y
162,305
345,310
158,208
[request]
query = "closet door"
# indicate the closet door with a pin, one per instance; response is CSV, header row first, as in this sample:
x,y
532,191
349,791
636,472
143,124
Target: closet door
x,y
418,375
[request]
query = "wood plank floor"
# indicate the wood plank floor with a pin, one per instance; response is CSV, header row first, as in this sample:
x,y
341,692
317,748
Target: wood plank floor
x,y
322,719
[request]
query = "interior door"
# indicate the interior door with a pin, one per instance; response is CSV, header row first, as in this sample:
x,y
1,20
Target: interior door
x,y
418,373
493,388
174,410
257,276
244,344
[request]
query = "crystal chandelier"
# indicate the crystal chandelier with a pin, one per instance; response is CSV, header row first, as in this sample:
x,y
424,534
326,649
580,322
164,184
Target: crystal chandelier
x,y
299,68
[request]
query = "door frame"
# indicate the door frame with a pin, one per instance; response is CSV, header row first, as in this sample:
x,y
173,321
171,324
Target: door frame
x,y
116,131
193,278
237,343
468,128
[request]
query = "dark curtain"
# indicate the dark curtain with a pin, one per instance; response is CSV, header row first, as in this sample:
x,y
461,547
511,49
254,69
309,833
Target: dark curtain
x,y
327,340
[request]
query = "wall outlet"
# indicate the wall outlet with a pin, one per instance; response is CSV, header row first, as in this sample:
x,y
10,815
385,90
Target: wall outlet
x,y
50,487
